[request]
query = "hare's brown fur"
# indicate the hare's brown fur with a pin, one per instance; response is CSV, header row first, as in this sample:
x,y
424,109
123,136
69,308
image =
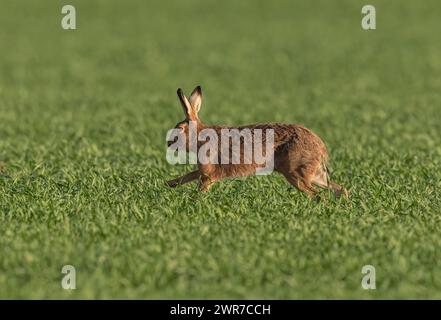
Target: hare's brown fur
x,y
299,154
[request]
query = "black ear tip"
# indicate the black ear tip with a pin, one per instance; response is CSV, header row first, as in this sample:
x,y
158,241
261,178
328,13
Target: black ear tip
x,y
198,88
179,91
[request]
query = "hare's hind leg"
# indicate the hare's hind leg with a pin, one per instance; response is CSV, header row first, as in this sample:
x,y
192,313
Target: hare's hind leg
x,y
299,176
301,184
338,190
321,179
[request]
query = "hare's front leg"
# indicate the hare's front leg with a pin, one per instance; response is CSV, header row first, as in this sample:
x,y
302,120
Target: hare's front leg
x,y
184,179
205,183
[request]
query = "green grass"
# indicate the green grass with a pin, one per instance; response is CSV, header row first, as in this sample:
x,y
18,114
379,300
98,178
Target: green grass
x,y
83,119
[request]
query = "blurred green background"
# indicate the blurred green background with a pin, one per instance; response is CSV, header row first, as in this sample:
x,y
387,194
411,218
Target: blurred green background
x,y
83,118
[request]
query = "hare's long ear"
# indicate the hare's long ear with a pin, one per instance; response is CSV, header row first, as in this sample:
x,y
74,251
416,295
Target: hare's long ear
x,y
185,104
196,99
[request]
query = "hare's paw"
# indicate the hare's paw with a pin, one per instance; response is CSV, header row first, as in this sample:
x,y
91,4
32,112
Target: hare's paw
x,y
172,183
341,193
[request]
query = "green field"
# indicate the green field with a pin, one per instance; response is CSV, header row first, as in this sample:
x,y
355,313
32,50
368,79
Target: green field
x,y
83,119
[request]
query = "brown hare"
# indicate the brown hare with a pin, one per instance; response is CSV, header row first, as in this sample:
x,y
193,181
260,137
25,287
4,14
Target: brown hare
x,y
297,153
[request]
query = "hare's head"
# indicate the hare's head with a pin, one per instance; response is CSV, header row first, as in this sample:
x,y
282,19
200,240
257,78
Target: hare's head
x,y
191,107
